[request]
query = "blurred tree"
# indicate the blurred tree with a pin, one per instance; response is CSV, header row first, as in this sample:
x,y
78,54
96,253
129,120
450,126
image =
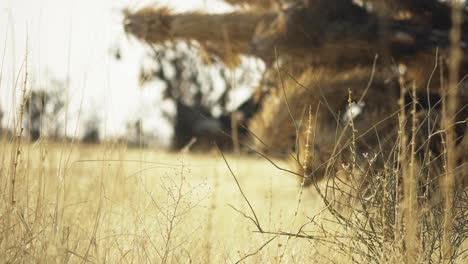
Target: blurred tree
x,y
134,134
91,130
35,107
203,91
42,109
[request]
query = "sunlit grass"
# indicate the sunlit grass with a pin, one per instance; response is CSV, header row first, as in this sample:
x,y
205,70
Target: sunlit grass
x,y
108,204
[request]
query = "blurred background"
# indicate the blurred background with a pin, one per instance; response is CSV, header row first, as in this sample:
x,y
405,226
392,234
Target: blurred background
x,y
87,80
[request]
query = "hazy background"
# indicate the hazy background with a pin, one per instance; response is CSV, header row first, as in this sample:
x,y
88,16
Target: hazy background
x,y
73,41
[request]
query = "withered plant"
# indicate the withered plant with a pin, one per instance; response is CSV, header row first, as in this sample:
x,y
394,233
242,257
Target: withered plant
x,y
382,83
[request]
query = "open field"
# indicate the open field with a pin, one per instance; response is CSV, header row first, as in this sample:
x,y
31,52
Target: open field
x,y
379,144
107,204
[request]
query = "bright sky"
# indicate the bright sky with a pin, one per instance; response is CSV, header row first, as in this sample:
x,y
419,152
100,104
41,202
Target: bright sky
x,y
74,38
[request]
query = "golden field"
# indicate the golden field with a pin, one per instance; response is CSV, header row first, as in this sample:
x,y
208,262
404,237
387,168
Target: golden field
x,y
387,185
109,204
72,203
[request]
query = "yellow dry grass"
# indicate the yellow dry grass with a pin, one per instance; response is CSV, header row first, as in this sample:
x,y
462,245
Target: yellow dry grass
x,y
109,204
69,203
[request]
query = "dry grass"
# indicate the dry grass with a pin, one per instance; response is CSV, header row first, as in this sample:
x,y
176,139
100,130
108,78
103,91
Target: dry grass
x,y
255,3
110,204
68,203
143,207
